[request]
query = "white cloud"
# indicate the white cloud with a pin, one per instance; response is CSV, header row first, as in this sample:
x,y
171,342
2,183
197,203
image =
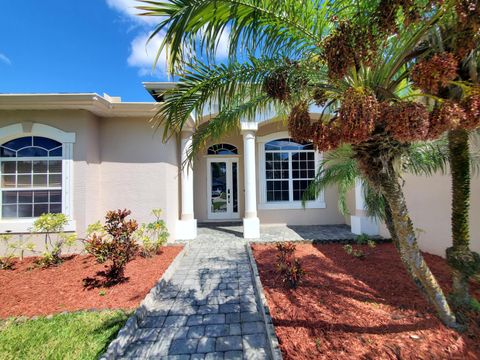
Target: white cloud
x,y
128,8
142,55
5,59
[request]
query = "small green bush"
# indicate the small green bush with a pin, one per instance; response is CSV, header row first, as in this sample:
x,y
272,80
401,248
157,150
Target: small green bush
x,y
359,253
52,226
7,261
152,236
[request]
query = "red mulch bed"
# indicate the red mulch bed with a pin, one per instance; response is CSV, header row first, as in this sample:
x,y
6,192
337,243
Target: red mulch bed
x,y
348,308
28,290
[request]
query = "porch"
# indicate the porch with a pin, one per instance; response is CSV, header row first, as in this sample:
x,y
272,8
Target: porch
x,y
233,231
255,178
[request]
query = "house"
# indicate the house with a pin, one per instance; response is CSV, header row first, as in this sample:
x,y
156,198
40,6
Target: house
x,y
84,154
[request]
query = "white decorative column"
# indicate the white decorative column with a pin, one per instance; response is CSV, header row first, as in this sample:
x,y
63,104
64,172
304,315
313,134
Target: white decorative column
x,y
360,222
187,225
251,223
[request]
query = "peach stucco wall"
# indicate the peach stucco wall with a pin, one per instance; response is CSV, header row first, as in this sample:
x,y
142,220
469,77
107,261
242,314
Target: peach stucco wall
x,y
428,201
118,163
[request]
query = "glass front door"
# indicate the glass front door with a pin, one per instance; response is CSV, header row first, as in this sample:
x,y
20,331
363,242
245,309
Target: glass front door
x,y
222,188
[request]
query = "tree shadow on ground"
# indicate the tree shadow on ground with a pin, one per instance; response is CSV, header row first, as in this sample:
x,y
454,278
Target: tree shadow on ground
x,y
102,279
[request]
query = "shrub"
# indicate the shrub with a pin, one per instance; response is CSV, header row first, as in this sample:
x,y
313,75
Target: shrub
x,y
114,243
359,253
52,226
7,258
152,236
289,268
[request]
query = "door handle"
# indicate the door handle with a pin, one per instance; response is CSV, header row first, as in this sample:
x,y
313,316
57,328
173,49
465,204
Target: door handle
x,y
228,195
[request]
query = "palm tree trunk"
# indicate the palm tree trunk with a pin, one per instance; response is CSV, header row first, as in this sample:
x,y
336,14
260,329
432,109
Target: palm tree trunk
x,y
381,173
461,259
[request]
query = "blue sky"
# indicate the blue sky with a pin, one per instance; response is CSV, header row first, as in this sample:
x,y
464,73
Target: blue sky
x,y
76,46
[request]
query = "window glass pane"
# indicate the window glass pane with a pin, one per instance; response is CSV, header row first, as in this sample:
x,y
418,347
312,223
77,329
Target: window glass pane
x,y
277,191
19,143
24,180
56,152
9,211
25,211
299,187
24,167
9,167
45,143
25,197
4,152
40,209
55,196
32,152
40,180
287,144
55,208
55,166
9,197
41,196
222,149
8,181
55,180
40,166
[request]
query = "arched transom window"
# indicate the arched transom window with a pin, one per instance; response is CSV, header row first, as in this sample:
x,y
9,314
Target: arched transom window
x,y
31,177
222,149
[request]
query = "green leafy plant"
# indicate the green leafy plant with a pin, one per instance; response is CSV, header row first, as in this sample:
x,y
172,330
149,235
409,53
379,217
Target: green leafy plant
x,y
52,226
113,243
362,239
152,236
7,261
360,253
289,268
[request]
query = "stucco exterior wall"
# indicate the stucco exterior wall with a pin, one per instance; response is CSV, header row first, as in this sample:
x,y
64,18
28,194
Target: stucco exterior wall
x,y
429,204
117,163
138,172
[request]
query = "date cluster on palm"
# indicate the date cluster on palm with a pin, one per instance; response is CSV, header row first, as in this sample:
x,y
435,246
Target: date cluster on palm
x,y
361,116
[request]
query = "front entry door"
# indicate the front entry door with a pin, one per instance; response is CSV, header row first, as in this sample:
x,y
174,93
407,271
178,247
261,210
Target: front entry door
x,y
222,188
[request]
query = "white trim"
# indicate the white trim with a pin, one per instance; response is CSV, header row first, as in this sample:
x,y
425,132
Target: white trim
x,y
67,139
319,203
229,214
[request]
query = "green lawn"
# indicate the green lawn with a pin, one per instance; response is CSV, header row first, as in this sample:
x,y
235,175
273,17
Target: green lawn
x,y
83,335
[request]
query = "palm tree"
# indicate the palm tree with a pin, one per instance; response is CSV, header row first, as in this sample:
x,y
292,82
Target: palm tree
x,y
459,89
290,43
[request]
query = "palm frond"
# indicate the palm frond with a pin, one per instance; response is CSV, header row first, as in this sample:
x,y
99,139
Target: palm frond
x,y
203,88
226,121
296,26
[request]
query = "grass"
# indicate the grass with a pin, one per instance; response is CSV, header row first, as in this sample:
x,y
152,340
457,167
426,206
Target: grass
x,y
81,335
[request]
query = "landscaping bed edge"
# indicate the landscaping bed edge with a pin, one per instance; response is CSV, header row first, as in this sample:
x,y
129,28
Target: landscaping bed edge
x,y
118,346
273,345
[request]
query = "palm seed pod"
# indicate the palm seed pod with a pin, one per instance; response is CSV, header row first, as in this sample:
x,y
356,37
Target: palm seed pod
x,y
471,106
405,121
276,84
435,73
445,117
357,115
338,51
468,12
326,136
299,126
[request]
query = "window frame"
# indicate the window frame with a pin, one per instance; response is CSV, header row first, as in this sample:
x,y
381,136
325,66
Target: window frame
x,y
11,132
318,203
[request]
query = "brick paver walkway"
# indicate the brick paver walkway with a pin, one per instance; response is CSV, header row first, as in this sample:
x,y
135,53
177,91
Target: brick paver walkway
x,y
208,310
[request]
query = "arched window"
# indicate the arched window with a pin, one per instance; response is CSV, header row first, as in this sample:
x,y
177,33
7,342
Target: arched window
x,y
289,168
31,177
222,149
